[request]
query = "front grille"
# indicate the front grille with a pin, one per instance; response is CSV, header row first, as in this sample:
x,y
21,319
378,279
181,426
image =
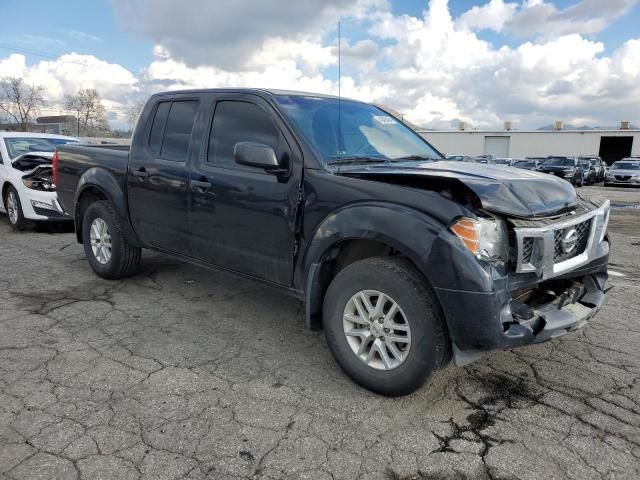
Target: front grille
x,y
623,178
581,240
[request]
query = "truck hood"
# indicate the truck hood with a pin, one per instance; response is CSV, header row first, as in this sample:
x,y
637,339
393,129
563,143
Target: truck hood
x,y
504,190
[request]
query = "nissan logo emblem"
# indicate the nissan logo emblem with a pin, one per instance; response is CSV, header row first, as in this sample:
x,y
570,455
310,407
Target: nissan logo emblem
x,y
569,240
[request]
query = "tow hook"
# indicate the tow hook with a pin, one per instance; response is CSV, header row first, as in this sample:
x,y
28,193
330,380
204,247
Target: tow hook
x,y
572,295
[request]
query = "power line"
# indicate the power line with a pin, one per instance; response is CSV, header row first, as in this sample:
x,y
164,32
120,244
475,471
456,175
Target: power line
x,y
43,54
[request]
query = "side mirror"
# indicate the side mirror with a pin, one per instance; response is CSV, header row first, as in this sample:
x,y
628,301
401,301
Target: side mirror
x,y
256,155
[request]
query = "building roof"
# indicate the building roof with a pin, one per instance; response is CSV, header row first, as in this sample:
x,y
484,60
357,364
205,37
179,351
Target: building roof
x,y
511,132
56,119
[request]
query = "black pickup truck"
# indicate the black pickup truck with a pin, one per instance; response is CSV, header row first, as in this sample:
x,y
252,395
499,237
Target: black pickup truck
x,y
405,259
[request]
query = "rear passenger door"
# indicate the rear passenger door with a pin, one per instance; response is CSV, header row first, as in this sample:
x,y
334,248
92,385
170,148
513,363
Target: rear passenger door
x,y
158,177
244,218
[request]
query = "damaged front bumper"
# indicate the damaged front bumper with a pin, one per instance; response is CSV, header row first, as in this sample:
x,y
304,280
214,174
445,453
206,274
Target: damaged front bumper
x,y
536,311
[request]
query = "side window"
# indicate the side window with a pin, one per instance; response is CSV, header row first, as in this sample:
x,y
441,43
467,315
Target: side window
x,y
157,128
177,133
237,121
171,129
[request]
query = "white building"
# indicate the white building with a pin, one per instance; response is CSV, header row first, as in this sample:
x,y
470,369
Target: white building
x,y
611,145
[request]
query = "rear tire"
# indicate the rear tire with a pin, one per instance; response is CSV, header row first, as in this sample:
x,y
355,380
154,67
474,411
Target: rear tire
x,y
14,210
109,253
414,340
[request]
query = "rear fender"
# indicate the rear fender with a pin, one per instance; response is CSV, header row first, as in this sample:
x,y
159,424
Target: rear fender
x,y
99,179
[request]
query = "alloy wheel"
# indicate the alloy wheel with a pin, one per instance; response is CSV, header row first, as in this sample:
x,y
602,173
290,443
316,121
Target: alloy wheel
x,y
377,330
100,238
12,207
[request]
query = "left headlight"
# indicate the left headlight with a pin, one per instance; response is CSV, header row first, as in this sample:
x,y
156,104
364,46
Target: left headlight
x,y
485,238
602,220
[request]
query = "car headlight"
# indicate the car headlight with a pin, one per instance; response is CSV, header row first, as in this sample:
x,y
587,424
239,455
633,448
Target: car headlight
x,y
602,220
41,184
569,173
485,238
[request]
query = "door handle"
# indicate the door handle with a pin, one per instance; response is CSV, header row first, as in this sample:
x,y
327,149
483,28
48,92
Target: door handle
x,y
141,173
199,185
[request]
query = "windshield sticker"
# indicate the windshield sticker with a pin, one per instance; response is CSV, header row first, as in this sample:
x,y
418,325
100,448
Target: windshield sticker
x,y
384,120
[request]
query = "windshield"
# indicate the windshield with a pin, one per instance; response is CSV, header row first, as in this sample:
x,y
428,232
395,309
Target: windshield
x,y
585,164
626,166
559,161
348,129
17,146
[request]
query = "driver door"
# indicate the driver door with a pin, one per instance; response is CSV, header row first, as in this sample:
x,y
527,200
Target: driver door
x,y
243,218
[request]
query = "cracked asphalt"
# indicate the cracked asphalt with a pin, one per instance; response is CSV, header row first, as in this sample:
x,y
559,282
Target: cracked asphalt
x,y
181,372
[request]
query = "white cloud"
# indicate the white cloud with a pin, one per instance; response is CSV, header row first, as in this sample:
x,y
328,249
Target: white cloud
x,y
230,35
71,72
538,17
78,36
492,16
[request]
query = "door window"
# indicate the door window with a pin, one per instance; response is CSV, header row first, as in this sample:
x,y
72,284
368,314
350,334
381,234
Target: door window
x,y
171,129
237,121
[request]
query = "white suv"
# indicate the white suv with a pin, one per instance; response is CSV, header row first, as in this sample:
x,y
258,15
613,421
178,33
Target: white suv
x,y
27,191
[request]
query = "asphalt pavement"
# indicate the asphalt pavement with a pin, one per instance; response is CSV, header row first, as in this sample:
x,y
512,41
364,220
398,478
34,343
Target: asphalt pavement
x,y
181,372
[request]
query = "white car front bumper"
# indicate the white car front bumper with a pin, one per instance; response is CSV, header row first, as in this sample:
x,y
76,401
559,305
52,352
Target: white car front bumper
x,y
41,206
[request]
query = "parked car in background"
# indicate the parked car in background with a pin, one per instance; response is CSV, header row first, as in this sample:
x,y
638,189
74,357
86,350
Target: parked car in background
x,y
598,166
484,158
502,161
590,172
624,172
27,192
402,258
460,158
527,164
564,167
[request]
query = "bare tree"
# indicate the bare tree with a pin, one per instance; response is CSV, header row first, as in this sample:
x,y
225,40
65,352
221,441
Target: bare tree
x,y
133,112
20,101
90,112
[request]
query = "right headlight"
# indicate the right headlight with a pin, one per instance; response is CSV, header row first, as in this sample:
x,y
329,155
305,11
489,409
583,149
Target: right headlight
x,y
485,238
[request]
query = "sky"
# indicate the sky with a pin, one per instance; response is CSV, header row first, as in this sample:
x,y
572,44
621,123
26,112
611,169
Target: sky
x,y
438,62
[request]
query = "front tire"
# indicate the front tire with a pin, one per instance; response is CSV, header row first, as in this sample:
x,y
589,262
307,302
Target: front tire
x,y
383,325
109,253
14,210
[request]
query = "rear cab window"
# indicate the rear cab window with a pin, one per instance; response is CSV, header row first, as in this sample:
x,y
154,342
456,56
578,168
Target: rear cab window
x,y
171,129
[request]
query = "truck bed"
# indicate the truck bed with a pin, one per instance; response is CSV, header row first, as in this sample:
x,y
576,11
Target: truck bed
x,y
75,160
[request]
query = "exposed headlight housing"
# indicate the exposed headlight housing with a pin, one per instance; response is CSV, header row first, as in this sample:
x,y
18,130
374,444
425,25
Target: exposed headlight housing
x,y
485,238
602,220
43,183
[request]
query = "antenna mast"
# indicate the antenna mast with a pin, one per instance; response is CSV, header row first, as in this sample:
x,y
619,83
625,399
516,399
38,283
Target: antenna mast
x,y
339,89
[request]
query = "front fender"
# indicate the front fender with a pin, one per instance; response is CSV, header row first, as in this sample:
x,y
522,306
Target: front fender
x,y
102,180
425,241
399,227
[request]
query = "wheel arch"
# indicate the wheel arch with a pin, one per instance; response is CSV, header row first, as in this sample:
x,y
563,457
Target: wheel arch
x,y
362,232
96,184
